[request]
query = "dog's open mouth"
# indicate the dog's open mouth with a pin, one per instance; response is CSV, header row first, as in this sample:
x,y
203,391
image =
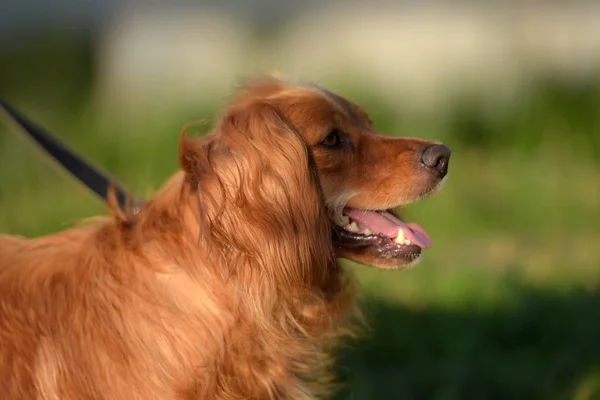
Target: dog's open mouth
x,y
381,230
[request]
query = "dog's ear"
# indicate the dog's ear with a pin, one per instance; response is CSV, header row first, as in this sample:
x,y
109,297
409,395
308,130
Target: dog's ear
x,y
267,149
259,170
246,129
253,148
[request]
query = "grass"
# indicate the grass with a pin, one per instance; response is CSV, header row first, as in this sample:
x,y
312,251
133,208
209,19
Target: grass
x,y
503,306
539,345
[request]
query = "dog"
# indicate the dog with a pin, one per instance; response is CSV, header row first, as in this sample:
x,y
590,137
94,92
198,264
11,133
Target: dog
x,y
226,284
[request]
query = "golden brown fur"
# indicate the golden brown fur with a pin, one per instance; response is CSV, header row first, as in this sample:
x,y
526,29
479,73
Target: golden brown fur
x,y
225,285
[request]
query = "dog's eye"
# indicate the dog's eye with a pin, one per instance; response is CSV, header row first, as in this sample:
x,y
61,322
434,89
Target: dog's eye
x,y
333,139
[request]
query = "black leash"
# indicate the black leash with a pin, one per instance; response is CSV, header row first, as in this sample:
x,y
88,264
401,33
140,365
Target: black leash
x,y
91,177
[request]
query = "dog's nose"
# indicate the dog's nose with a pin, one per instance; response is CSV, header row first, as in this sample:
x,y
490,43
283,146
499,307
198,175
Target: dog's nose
x,y
436,158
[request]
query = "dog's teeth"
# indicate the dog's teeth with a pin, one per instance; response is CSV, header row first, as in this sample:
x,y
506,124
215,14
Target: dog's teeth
x,y
367,232
407,242
353,227
400,238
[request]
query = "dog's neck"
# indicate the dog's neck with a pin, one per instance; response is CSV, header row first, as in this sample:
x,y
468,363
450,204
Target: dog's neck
x,y
290,251
280,287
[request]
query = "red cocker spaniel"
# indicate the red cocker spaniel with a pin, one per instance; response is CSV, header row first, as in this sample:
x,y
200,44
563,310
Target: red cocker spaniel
x,y
225,285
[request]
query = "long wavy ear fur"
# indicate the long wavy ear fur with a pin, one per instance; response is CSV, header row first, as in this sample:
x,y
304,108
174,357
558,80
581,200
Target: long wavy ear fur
x,y
259,195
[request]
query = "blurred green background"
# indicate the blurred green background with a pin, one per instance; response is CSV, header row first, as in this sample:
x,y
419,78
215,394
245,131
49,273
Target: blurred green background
x,y
505,305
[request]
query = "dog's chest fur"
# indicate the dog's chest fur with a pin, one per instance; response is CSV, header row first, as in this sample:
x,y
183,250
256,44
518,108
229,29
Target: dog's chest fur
x,y
174,337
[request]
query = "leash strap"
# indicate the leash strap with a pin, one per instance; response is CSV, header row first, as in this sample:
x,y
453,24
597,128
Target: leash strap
x,y
91,177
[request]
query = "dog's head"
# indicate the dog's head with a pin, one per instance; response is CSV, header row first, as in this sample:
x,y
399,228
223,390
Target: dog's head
x,y
304,153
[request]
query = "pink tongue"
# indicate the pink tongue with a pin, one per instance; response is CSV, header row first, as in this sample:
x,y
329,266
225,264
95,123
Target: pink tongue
x,y
387,224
